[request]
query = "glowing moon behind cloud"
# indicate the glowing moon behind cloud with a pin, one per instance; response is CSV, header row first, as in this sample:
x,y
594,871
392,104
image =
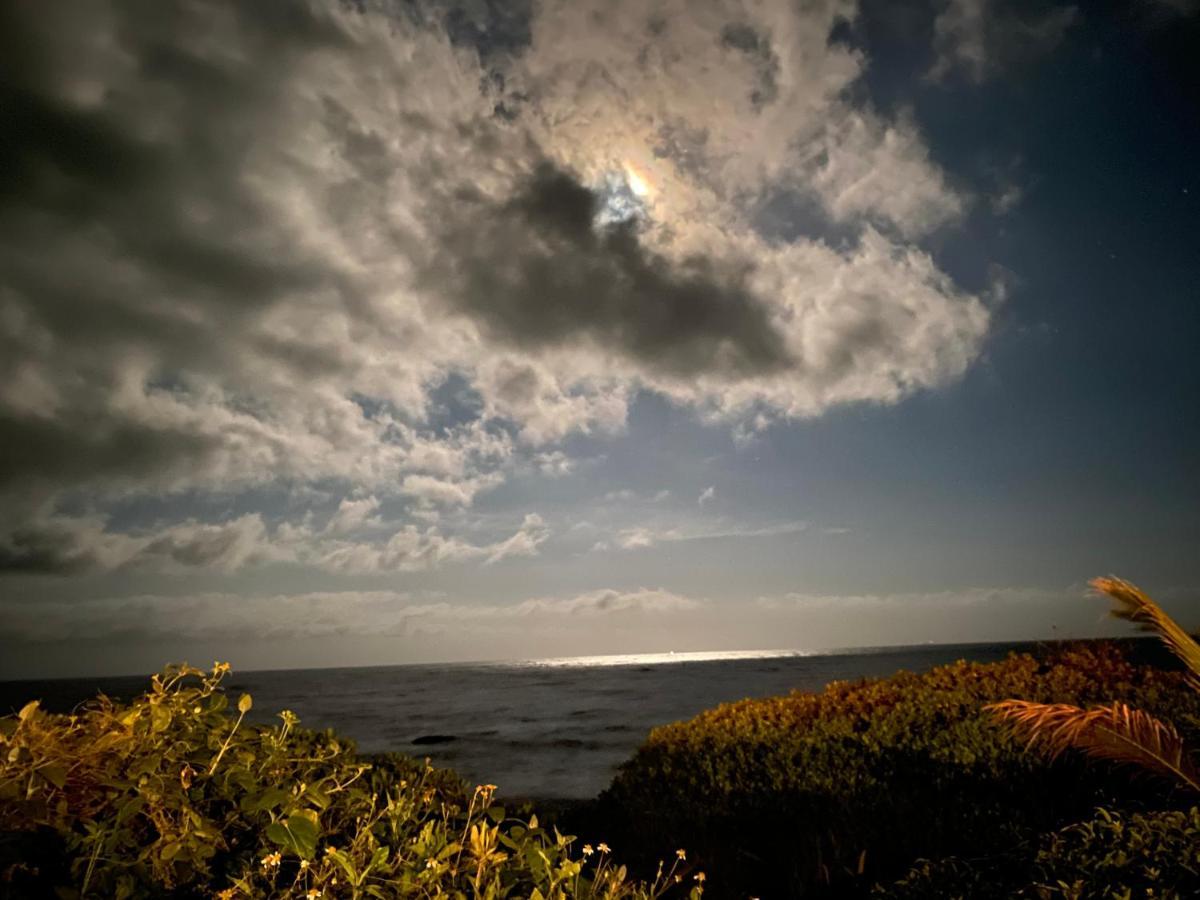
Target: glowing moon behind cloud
x,y
638,182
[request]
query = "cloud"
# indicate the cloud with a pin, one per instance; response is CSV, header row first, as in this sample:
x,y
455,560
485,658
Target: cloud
x,y
353,515
628,495
262,617
247,246
71,545
707,494
711,101
624,495
983,37
536,270
644,537
612,602
554,464
912,602
444,492
63,545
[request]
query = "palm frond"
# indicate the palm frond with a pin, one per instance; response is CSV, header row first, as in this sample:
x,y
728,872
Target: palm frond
x,y
1118,733
1133,605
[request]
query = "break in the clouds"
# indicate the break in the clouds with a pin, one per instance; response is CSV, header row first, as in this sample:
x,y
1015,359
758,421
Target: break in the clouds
x,y
246,245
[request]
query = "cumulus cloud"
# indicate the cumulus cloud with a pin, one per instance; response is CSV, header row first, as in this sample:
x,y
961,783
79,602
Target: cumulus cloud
x,y
707,494
247,244
981,37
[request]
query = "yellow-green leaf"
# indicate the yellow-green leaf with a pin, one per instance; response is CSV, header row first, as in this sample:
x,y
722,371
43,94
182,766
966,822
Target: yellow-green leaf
x,y
56,775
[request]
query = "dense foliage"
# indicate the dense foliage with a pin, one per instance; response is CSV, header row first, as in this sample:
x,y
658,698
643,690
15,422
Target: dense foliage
x,y
176,795
829,793
1154,855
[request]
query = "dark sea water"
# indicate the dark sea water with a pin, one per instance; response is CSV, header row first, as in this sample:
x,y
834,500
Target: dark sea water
x,y
549,728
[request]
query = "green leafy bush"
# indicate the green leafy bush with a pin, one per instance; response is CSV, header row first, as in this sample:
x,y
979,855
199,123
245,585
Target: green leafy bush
x,y
176,795
827,793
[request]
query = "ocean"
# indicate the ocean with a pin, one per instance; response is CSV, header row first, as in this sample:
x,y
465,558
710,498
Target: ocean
x,y
538,728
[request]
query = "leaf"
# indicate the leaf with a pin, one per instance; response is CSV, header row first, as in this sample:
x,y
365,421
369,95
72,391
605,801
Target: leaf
x,y
299,833
271,798
319,798
347,865
56,775
131,808
245,703
28,709
1133,605
1118,733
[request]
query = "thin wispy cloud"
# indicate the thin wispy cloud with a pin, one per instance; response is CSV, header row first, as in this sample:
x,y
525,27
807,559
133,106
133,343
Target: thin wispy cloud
x,y
645,537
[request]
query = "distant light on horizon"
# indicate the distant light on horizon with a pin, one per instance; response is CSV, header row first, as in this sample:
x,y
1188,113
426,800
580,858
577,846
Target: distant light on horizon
x,y
658,659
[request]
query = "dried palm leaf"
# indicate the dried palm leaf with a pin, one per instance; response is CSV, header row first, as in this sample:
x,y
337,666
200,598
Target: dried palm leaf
x,y
1118,733
1134,606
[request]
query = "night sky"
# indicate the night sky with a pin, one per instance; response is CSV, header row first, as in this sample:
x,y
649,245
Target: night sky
x,y
383,332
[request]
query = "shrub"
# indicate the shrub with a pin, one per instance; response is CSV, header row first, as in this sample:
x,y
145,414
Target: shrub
x,y
176,795
827,793
1154,855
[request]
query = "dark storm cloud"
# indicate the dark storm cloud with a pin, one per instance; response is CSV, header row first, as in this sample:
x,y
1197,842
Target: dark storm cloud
x,y
538,270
